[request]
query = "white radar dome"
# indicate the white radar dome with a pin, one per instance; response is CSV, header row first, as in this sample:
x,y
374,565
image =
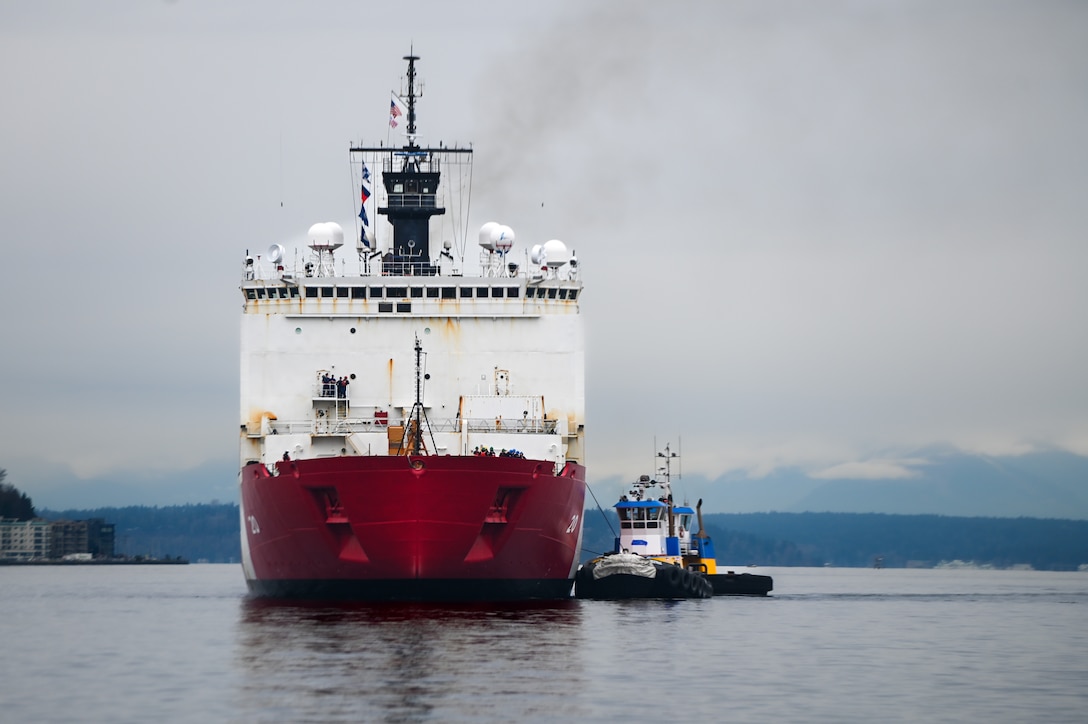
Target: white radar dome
x,y
485,234
502,238
275,253
556,253
326,235
536,254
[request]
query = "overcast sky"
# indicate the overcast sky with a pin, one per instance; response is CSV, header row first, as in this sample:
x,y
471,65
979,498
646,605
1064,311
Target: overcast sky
x,y
826,235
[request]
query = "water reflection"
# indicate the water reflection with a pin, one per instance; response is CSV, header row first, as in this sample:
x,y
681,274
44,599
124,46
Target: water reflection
x,y
405,662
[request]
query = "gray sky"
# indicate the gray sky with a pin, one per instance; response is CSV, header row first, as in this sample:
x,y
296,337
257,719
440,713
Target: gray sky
x,y
825,235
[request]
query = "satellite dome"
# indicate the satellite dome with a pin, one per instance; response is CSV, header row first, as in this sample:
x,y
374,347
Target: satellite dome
x,y
326,235
485,234
556,253
502,238
536,254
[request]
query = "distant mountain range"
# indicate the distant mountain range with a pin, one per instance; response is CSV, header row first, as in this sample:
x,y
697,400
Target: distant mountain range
x,y
1037,485
940,482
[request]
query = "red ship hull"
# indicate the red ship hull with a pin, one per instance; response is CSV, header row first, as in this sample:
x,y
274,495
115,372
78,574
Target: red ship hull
x,y
412,528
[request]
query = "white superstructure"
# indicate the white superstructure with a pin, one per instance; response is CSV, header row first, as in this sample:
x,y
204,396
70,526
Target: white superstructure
x,y
503,354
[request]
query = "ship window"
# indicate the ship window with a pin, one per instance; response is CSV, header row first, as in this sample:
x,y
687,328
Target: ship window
x,y
481,292
311,292
530,293
639,524
653,524
251,294
449,292
342,292
417,292
376,293
466,292
432,292
512,292
396,292
260,294
398,188
294,292
551,293
573,294
385,307
404,306
358,292
326,291
283,293
562,293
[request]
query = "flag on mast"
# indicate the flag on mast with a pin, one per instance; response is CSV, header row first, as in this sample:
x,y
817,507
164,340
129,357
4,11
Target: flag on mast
x,y
396,109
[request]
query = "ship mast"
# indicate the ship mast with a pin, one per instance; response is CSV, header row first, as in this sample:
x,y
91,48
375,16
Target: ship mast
x,y
411,175
418,414
412,100
668,455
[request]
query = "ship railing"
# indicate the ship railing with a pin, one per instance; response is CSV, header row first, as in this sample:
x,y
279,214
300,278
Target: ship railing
x,y
327,391
349,425
523,425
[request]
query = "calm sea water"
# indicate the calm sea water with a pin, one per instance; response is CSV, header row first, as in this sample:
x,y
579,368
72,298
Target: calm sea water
x,y
184,643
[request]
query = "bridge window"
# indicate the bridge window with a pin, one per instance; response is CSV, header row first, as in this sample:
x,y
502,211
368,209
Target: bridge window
x,y
466,292
376,292
358,292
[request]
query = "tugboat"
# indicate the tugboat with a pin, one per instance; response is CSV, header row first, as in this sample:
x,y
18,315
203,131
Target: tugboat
x,y
354,484
656,554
